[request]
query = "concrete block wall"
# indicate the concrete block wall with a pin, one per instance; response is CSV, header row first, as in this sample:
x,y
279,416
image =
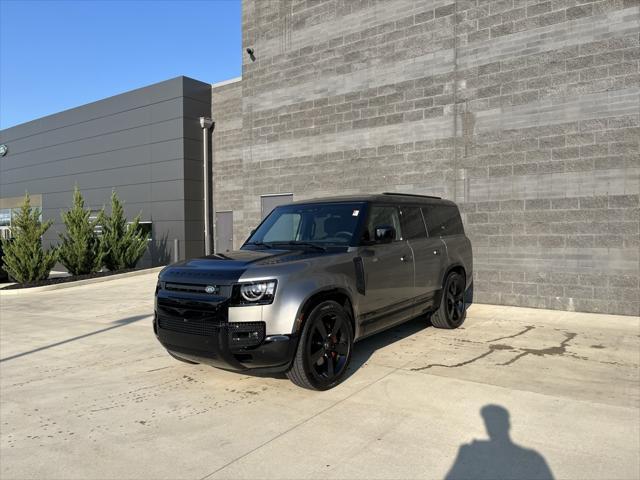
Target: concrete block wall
x,y
228,141
524,112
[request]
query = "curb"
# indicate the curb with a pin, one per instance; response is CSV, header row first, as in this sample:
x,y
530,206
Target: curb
x,y
77,283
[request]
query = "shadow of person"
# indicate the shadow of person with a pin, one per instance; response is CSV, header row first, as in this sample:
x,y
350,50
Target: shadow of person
x,y
498,457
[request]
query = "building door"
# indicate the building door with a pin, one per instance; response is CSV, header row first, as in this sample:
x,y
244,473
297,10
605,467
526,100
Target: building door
x,y
224,232
269,202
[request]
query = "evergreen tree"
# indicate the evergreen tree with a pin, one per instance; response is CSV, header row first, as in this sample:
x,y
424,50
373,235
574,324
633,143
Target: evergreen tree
x,y
124,243
81,249
24,258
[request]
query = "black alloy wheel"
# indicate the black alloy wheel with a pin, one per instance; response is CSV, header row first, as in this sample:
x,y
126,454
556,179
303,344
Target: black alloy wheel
x,y
324,350
452,310
454,300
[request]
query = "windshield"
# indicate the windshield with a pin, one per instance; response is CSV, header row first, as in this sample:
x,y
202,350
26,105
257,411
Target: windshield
x,y
319,224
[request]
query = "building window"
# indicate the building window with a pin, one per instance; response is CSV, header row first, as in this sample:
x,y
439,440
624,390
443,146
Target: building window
x,y
5,217
146,228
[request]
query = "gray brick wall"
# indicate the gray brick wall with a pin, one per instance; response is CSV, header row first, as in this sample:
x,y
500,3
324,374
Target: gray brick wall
x,y
524,112
228,141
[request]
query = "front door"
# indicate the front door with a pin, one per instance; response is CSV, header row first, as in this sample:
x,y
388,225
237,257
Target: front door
x,y
224,232
388,273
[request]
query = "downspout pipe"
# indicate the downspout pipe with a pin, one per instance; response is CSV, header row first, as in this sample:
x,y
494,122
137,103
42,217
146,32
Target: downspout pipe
x,y
207,126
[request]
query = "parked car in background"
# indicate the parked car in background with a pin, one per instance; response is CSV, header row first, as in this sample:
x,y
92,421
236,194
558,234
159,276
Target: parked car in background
x,y
314,278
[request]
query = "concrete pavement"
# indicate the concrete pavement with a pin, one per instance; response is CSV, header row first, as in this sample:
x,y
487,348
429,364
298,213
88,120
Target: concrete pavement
x,y
87,392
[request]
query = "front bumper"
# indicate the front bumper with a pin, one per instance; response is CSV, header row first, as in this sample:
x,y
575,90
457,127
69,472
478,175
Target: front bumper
x,y
200,332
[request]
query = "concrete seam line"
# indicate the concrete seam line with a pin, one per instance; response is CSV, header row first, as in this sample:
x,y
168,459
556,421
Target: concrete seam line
x,y
515,389
290,429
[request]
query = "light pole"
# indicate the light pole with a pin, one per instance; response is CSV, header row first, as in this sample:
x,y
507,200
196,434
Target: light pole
x,y
207,126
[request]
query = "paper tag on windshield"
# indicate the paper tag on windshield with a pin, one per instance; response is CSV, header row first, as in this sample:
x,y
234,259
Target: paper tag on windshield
x,y
355,213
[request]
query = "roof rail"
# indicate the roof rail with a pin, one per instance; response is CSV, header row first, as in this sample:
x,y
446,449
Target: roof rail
x,y
411,195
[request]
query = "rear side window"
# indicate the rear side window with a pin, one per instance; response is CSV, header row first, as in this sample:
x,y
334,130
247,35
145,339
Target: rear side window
x,y
443,220
412,223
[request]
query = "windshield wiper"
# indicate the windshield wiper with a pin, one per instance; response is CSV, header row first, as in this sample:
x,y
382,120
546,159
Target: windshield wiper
x,y
260,244
303,244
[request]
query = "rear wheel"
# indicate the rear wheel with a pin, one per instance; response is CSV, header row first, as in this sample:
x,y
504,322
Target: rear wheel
x,y
324,349
452,310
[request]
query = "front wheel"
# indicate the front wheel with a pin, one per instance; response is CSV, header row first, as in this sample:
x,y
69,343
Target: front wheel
x,y
324,348
452,310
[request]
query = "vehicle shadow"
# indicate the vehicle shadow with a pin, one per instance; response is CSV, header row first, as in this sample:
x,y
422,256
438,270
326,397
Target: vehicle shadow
x,y
497,458
364,349
115,324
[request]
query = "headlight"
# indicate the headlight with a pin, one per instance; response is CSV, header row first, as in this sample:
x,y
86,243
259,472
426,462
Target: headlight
x,y
254,293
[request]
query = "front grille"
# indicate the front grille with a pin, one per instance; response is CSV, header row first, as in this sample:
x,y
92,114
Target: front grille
x,y
239,334
194,326
185,287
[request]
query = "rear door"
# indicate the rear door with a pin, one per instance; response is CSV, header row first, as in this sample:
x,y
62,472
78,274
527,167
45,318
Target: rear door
x,y
388,271
429,254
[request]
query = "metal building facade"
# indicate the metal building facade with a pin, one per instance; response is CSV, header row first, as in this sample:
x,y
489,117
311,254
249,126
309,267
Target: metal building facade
x,y
146,144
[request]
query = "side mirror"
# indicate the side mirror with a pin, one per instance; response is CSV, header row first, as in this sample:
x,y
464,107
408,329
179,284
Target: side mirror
x,y
385,234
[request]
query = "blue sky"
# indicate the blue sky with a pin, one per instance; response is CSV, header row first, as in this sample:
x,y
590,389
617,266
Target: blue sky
x,y
56,55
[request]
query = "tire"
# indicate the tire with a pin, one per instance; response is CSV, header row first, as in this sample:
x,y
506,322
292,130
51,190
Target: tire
x,y
324,348
452,310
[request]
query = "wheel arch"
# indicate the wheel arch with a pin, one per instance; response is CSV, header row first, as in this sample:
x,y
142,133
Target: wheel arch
x,y
456,267
337,294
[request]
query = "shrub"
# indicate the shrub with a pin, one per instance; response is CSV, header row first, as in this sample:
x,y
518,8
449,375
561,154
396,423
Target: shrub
x,y
81,250
24,258
124,243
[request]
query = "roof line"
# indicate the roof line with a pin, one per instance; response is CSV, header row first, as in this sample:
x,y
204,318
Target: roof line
x,y
226,82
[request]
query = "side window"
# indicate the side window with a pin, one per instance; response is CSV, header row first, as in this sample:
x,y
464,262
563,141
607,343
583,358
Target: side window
x,y
382,215
453,221
412,223
434,225
443,220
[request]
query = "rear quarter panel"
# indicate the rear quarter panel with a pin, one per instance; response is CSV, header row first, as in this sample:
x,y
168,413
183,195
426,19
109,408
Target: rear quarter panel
x,y
459,252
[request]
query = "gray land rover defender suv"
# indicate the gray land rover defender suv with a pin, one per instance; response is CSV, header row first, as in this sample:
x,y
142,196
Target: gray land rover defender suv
x,y
312,279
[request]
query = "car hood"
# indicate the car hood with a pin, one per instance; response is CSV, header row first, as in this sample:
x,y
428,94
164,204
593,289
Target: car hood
x,y
229,266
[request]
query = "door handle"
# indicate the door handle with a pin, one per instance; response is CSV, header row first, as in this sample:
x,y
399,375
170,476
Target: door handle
x,y
436,252
405,258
